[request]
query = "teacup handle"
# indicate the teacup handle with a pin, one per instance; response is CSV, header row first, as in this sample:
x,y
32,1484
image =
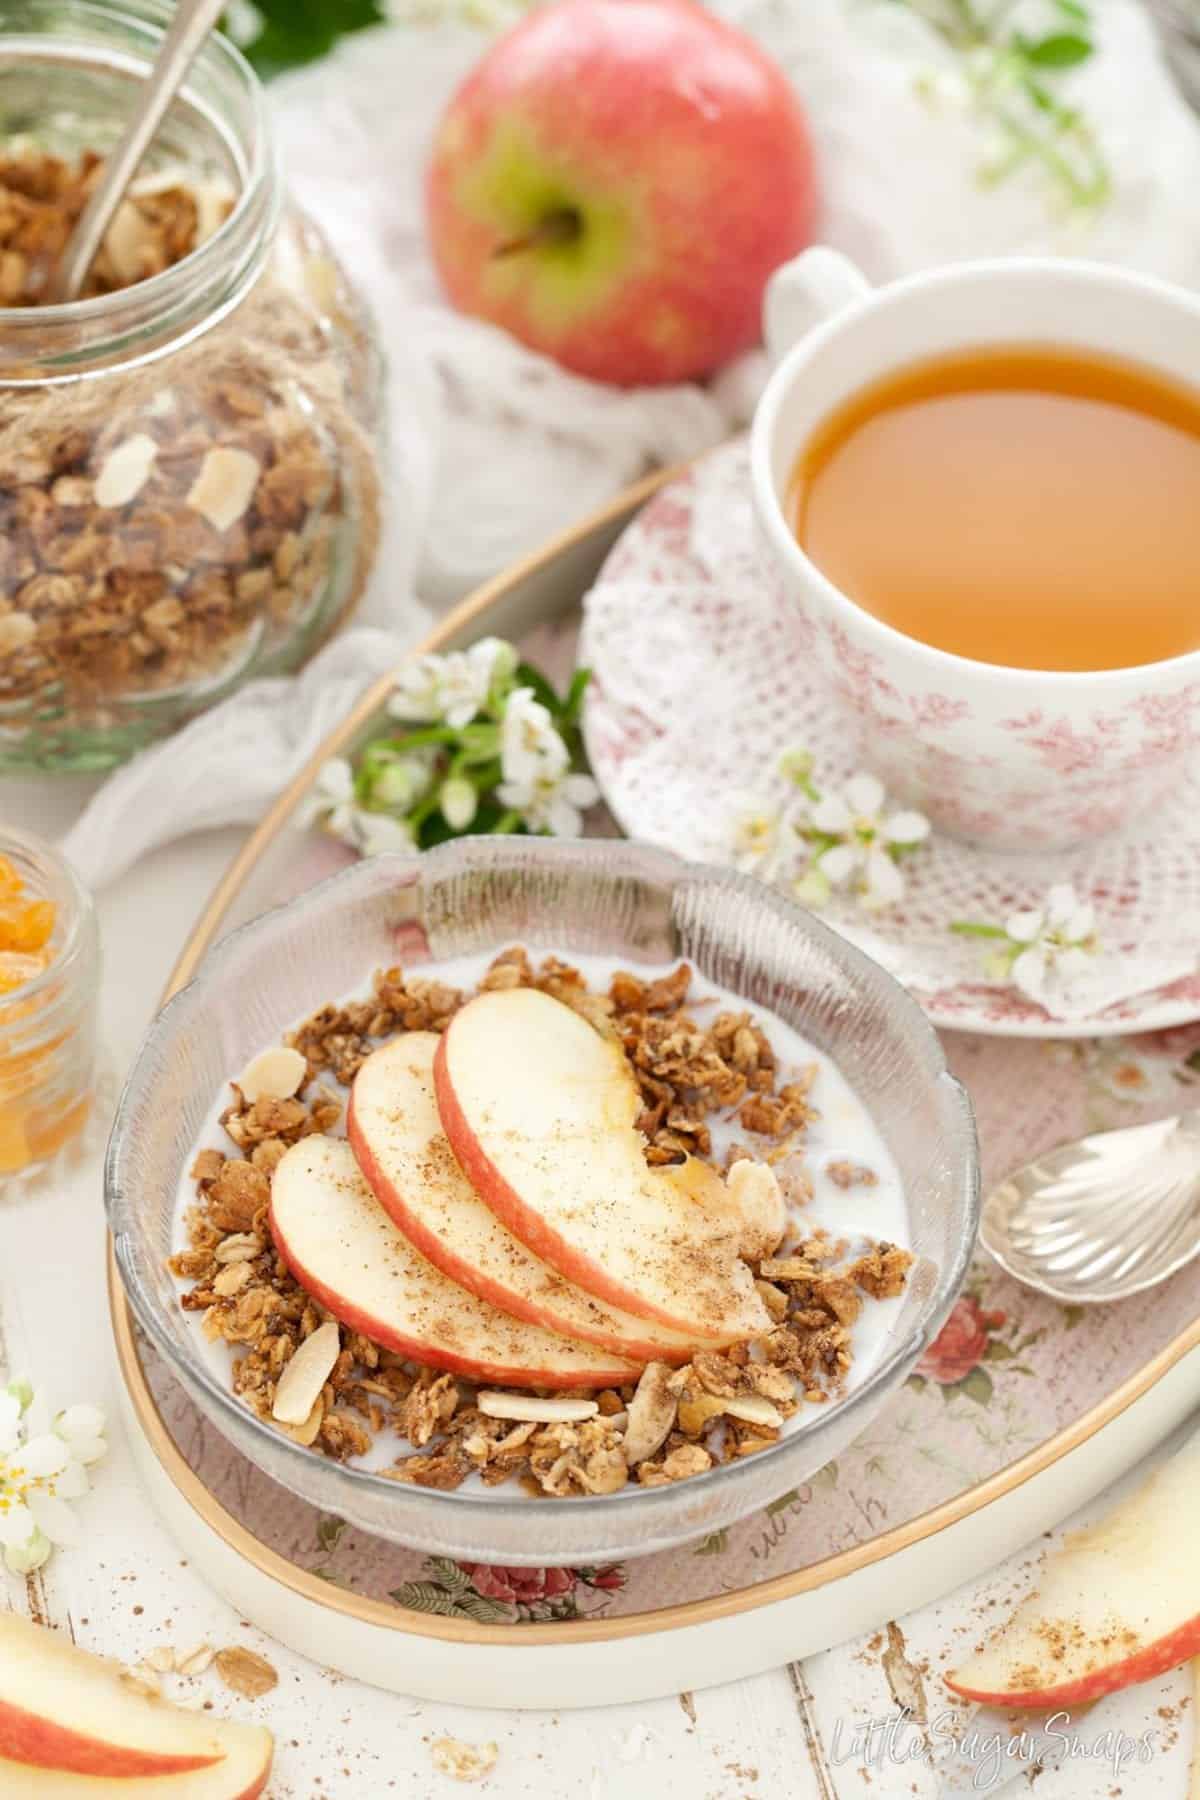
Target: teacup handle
x,y
805,292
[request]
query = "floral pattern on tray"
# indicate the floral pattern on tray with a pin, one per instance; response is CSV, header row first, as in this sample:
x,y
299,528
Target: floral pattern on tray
x,y
1007,1370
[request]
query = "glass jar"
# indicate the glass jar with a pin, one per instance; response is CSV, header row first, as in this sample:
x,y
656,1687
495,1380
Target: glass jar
x,y
48,1024
189,485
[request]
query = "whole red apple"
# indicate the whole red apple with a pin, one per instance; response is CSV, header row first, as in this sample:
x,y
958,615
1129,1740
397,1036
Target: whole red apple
x,y
614,183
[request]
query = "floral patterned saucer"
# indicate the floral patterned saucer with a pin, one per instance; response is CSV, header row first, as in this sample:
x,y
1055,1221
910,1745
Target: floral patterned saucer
x,y
701,685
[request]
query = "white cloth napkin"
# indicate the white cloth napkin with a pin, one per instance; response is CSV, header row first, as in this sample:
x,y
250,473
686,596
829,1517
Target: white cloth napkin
x,y
493,447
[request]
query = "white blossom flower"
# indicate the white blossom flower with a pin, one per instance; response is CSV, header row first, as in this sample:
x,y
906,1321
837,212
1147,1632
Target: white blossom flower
x,y
868,840
1055,944
756,838
1042,950
43,1466
813,843
552,802
451,689
331,802
531,749
374,832
536,765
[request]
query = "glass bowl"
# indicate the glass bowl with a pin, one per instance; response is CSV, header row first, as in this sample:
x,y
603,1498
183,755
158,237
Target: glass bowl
x,y
481,894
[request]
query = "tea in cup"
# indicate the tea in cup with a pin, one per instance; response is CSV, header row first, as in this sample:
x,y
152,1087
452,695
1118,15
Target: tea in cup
x,y
981,488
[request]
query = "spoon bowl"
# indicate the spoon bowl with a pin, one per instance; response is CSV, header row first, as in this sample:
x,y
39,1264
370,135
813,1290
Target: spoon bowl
x,y
1104,1217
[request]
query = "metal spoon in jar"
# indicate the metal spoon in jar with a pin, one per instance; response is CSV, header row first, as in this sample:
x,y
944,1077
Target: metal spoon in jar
x,y
1104,1217
190,25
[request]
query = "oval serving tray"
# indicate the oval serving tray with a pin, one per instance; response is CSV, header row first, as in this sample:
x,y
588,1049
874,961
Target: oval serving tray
x,y
1024,1410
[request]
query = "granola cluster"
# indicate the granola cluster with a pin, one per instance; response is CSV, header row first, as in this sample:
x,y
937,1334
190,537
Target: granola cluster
x,y
168,527
41,197
670,1424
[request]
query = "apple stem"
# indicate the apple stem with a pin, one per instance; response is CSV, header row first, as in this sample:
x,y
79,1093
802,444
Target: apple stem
x,y
562,226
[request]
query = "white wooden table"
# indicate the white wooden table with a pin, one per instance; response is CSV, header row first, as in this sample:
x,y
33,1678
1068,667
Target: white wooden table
x,y
789,1735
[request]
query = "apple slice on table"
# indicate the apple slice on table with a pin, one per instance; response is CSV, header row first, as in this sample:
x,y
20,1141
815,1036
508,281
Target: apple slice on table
x,y
68,1715
397,1136
1118,1603
345,1251
242,1775
540,1111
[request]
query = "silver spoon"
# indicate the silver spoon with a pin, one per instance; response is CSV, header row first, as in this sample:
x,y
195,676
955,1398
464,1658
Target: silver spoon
x,y
191,24
1104,1217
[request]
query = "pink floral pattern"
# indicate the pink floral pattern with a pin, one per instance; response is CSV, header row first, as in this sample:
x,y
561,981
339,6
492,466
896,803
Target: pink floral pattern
x,y
701,669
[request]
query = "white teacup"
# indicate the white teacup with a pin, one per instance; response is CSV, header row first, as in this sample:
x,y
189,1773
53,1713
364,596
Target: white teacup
x,y
1014,758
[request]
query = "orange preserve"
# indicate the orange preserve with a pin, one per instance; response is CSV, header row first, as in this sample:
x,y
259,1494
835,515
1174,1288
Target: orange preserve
x,y
49,977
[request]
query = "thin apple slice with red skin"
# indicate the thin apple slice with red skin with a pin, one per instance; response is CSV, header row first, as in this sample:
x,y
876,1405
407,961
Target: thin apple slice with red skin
x,y
242,1775
396,1133
344,1250
540,1111
1117,1604
72,1716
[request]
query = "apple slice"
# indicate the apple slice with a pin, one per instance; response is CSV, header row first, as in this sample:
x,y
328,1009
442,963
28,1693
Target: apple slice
x,y
397,1136
342,1247
70,1714
540,1111
1118,1603
242,1775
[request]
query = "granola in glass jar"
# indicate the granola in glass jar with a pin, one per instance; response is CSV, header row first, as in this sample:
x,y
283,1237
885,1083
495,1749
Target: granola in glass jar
x,y
189,491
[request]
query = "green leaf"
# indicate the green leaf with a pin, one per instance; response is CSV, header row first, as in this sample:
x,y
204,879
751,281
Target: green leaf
x,y
973,929
715,1544
997,1351
572,706
1061,50
424,1597
1072,9
1072,1316
329,1531
448,1574
917,1382
826,1477
293,32
783,1502
1022,1369
483,1610
976,1386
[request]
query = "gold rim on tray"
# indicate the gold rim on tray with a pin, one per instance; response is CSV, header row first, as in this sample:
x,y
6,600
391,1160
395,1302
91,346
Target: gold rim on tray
x,y
471,612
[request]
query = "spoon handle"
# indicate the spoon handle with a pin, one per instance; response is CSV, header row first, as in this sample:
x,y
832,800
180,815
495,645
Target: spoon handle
x,y
191,24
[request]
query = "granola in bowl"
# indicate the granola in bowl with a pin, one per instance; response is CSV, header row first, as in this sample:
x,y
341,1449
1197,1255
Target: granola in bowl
x,y
717,1086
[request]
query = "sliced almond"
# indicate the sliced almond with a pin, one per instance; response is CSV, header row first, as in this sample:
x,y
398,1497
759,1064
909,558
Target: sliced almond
x,y
223,489
308,1433
753,1409
232,1279
528,1406
758,1199
310,1368
126,242
241,1246
196,1661
125,471
162,1658
772,1297
245,1671
651,1414
275,1074
17,629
